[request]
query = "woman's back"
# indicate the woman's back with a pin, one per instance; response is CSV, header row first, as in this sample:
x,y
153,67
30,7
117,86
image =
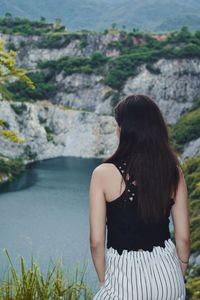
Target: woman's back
x,y
125,229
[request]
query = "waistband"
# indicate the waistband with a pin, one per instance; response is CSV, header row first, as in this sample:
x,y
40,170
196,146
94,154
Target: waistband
x,y
169,248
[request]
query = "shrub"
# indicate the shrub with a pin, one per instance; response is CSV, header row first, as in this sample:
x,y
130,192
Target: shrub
x,y
28,153
49,133
187,127
191,169
54,41
152,69
11,167
11,46
193,283
45,88
83,41
24,26
4,124
72,65
12,136
18,108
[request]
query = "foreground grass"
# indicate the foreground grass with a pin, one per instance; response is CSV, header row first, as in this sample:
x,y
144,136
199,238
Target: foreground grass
x,y
31,284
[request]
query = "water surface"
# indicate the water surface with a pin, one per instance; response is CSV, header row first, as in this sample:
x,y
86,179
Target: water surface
x,y
45,213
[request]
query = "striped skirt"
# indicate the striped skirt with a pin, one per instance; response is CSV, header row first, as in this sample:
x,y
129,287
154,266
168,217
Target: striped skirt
x,y
143,275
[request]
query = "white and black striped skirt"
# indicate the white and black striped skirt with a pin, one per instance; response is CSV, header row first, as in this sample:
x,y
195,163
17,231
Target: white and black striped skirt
x,y
143,275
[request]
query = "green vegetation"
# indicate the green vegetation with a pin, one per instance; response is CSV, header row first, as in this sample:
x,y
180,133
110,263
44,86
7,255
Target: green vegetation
x,y
70,65
28,153
9,70
49,133
44,88
191,169
115,98
32,284
44,82
61,39
24,26
6,95
4,124
18,108
152,69
149,49
8,67
11,46
193,283
10,168
187,127
12,136
54,41
135,49
8,134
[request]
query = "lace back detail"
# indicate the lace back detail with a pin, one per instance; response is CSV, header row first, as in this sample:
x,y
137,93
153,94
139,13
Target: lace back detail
x,y
130,186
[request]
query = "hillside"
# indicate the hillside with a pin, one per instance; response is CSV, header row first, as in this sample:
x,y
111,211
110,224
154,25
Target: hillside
x,y
94,15
92,71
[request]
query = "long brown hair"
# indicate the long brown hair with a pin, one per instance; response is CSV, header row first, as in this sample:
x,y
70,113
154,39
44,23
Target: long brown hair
x,y
151,159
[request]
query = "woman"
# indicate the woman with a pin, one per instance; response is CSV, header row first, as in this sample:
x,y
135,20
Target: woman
x,y
132,193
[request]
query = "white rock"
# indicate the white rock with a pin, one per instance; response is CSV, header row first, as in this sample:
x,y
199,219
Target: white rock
x,y
74,133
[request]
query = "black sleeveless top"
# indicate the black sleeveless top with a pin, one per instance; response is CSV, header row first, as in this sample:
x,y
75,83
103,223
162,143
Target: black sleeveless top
x,y
124,228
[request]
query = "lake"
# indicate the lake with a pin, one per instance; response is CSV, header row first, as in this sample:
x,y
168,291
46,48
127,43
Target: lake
x,y
45,213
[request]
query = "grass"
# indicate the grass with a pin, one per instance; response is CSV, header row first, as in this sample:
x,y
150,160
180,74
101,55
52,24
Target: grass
x,y
32,284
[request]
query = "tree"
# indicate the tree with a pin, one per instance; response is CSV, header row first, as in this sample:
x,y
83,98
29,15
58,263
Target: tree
x,y
42,19
8,15
58,25
135,29
184,34
197,34
114,26
8,67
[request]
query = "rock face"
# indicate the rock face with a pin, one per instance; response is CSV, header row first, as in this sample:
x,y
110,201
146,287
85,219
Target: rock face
x,y
191,149
50,131
172,83
30,51
173,89
84,91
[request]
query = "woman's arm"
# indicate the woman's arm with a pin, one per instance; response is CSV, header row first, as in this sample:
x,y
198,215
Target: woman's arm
x,y
180,217
97,219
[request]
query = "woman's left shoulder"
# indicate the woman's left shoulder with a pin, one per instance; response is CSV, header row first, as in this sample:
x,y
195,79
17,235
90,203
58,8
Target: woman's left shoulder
x,y
102,168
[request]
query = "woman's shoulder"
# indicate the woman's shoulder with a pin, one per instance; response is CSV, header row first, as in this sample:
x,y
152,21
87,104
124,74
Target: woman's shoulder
x,y
103,167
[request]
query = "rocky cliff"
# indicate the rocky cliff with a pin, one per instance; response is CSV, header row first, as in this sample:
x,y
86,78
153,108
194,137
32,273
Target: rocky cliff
x,y
172,83
173,86
49,131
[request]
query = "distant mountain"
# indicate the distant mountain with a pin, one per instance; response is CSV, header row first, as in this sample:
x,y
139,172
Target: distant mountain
x,y
154,15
